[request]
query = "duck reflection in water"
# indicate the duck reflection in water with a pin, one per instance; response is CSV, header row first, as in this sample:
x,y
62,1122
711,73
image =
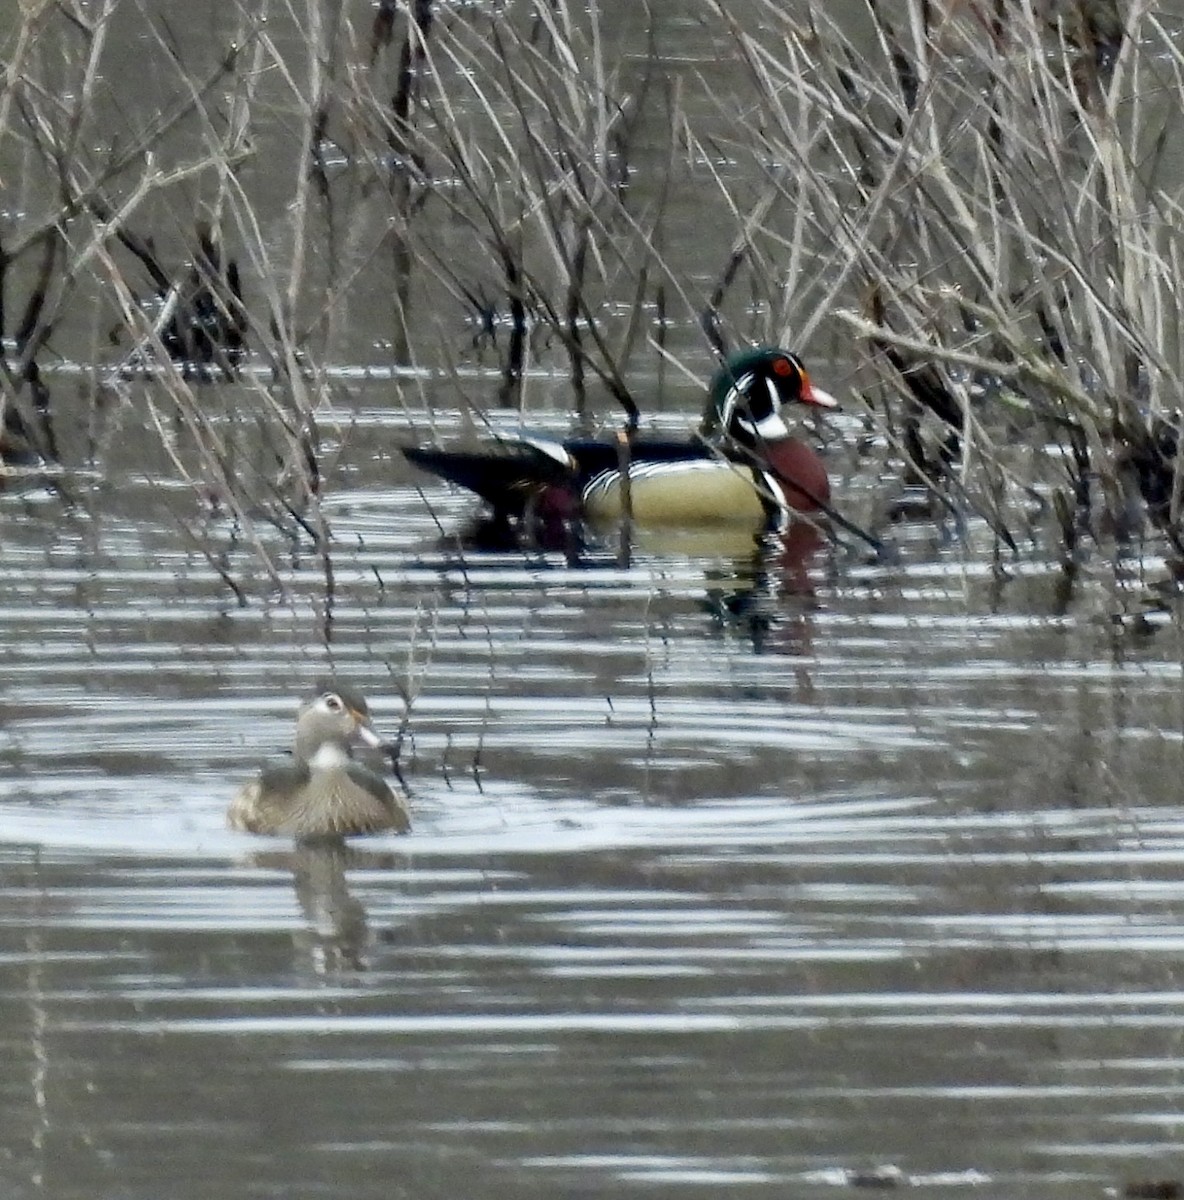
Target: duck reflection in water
x,y
335,934
760,583
768,596
319,796
336,931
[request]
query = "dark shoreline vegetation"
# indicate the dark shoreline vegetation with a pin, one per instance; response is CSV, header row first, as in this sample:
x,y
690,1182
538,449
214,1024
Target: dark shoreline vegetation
x,y
973,207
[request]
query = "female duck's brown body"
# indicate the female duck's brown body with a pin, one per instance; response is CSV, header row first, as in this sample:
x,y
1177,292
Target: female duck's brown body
x,y
323,791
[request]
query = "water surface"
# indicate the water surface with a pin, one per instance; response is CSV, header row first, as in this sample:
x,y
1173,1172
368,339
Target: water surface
x,y
735,870
726,875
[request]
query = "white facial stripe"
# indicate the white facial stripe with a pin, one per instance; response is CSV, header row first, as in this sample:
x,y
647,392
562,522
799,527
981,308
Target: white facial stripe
x,y
771,428
738,389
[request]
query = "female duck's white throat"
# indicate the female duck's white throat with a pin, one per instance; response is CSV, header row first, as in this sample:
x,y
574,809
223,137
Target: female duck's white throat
x,y
330,756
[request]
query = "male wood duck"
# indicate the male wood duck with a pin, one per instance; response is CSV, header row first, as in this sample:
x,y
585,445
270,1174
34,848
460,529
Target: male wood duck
x,y
743,466
323,791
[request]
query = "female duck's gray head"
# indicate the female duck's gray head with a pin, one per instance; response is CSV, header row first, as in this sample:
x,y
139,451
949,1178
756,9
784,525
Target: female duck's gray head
x,y
329,724
747,393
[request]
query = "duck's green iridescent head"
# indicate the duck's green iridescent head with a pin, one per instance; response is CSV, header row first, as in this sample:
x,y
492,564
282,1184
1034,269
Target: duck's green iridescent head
x,y
747,392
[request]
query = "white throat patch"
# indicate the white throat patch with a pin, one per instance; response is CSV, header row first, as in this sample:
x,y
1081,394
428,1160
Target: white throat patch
x,y
329,756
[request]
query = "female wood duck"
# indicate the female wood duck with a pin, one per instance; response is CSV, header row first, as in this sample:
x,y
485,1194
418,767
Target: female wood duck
x,y
323,792
743,466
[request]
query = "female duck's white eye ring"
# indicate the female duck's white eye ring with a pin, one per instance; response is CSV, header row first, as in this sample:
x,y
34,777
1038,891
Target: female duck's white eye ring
x,y
333,702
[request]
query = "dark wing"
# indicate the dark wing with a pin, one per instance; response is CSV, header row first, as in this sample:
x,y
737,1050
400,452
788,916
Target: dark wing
x,y
261,806
392,807
284,778
509,472
506,473
593,456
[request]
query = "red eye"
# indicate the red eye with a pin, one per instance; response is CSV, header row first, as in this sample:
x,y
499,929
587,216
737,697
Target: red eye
x,y
782,366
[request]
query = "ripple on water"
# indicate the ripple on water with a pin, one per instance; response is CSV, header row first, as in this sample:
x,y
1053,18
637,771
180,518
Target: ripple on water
x,y
711,885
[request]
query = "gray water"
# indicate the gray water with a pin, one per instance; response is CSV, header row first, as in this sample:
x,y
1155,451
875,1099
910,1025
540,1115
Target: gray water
x,y
733,870
722,879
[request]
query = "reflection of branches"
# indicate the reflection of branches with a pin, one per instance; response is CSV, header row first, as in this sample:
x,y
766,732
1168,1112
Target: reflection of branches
x,y
420,647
